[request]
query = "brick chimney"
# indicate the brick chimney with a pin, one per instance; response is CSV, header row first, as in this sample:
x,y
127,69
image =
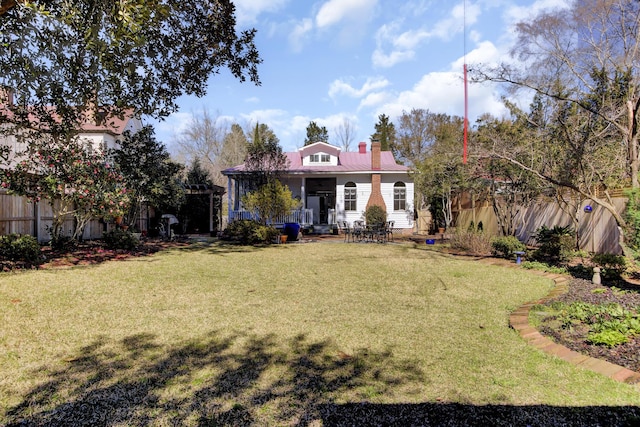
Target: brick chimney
x,y
375,155
376,193
362,148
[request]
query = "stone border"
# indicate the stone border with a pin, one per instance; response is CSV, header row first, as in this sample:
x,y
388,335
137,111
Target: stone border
x,y
519,320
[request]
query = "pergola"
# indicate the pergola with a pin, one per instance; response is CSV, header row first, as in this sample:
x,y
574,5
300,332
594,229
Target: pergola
x,y
215,193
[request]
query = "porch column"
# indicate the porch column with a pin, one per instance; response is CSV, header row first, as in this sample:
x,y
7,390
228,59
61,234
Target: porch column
x,y
229,198
211,212
303,194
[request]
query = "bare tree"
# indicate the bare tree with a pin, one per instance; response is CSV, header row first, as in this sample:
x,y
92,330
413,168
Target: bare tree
x,y
582,62
203,139
345,133
234,148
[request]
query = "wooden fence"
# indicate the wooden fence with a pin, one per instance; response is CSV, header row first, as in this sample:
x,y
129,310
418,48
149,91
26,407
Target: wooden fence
x,y
19,215
596,230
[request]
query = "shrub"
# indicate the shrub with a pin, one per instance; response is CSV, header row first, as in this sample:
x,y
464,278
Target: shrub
x,y
249,232
270,200
471,241
613,265
16,247
632,217
120,239
609,338
375,215
541,266
556,245
506,246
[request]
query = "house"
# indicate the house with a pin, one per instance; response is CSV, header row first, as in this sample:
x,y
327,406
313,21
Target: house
x,y
96,134
18,214
336,186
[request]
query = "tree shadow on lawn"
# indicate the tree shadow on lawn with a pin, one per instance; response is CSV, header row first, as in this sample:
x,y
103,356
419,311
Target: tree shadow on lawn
x,y
93,253
214,380
220,247
251,380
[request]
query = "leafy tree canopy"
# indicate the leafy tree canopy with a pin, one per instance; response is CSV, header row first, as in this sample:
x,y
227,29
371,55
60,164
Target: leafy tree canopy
x,y
132,55
581,62
77,182
265,159
148,171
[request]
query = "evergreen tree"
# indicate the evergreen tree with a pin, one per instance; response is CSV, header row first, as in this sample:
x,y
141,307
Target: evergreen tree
x,y
316,133
385,133
197,174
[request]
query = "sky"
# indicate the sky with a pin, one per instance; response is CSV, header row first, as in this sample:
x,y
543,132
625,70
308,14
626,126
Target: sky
x,y
331,60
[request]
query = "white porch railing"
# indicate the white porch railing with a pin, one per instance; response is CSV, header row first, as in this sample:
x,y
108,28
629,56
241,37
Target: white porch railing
x,y
332,217
301,216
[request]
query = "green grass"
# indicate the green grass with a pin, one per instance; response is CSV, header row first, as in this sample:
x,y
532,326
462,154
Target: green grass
x,y
266,336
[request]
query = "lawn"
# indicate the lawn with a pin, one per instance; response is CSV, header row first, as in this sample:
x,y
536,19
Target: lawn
x,y
299,334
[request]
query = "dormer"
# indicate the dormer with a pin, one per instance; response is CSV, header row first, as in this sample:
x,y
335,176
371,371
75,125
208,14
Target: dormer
x,y
319,154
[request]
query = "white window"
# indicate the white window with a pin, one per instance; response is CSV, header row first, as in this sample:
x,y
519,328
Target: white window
x,y
350,197
319,158
399,196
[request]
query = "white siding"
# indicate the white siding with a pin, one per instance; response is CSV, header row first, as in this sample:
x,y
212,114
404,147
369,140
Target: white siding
x,y
363,191
403,218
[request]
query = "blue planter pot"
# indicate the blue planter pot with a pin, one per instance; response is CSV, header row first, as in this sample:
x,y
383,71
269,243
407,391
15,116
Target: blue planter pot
x,y
291,229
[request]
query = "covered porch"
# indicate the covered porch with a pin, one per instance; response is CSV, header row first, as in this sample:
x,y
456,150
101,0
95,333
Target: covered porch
x,y
317,197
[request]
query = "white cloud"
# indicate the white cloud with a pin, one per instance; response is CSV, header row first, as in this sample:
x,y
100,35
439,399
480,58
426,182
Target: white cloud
x,y
454,23
247,11
374,99
443,92
300,33
270,117
485,53
381,59
173,125
515,14
284,125
351,15
334,11
340,87
394,46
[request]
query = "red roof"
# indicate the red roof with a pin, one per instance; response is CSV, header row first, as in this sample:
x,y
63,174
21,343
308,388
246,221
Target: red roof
x,y
112,124
351,161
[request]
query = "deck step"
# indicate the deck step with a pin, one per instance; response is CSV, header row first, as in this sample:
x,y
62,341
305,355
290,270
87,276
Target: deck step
x,y
322,229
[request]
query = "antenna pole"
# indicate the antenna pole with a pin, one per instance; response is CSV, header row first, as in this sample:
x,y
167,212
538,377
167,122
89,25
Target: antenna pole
x,y
466,93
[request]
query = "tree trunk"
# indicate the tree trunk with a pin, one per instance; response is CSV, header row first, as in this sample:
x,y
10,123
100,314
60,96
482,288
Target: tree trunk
x,y
632,143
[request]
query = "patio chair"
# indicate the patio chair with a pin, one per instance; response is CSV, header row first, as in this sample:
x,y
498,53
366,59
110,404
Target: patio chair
x,y
389,230
359,231
346,229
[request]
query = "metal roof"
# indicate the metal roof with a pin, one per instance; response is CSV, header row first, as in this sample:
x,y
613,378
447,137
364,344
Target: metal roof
x,y
348,162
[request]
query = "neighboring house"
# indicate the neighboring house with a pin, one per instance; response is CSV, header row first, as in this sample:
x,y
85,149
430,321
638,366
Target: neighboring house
x,y
17,214
103,136
336,186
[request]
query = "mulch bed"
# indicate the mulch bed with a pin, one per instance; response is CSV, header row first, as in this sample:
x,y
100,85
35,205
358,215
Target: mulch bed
x,y
581,290
89,253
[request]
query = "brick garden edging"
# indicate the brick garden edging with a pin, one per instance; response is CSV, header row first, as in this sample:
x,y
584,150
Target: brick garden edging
x,y
519,320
